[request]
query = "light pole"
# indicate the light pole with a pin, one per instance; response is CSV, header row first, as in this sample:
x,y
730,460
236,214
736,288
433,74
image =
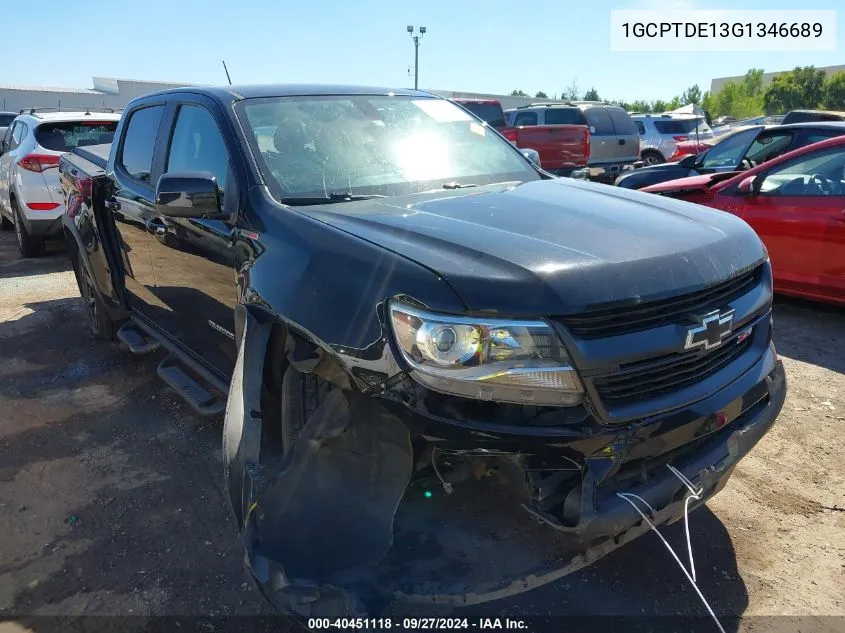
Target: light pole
x,y
416,39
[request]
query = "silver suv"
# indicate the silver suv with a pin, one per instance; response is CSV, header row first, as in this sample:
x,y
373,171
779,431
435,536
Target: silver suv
x,y
661,133
614,140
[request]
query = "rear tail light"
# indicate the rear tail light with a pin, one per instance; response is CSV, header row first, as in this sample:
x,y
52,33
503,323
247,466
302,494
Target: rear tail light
x,y
511,135
681,138
38,162
42,206
587,144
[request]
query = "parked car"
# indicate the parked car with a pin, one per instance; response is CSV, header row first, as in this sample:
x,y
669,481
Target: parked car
x,y
724,120
813,116
6,119
796,204
614,140
410,305
661,133
31,200
563,149
687,148
740,150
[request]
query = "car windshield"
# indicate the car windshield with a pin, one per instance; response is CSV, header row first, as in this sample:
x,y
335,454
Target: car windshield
x,y
66,135
374,145
729,151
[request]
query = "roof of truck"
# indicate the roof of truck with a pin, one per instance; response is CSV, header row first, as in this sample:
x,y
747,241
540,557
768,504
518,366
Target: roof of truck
x,y
234,93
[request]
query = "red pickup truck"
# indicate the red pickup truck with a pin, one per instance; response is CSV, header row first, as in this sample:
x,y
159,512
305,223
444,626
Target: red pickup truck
x,y
564,149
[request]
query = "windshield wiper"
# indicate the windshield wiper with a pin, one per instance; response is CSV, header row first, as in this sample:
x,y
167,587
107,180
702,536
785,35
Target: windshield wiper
x,y
334,196
458,185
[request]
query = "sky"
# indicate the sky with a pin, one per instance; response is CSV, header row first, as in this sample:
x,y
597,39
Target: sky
x,y
491,46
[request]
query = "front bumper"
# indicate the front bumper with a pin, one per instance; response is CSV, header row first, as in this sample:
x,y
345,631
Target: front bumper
x,y
344,493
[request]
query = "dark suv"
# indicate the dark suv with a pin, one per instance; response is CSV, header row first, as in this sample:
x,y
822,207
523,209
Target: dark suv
x,y
444,373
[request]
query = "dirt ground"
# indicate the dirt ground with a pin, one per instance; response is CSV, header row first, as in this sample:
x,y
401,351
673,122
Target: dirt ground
x,y
111,499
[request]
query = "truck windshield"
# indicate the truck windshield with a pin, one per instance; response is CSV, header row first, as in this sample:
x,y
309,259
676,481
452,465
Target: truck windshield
x,y
65,135
366,145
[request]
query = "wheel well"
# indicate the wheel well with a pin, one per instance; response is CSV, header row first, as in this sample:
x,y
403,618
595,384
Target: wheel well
x,y
652,151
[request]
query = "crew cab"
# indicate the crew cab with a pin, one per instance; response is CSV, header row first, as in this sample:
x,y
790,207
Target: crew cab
x,y
796,204
563,148
441,369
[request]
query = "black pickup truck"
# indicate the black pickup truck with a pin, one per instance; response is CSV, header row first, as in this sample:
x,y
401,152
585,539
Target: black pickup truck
x,y
440,367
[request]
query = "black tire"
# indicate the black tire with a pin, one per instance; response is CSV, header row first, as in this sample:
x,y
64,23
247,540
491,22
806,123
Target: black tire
x,y
651,157
301,395
100,323
5,223
28,245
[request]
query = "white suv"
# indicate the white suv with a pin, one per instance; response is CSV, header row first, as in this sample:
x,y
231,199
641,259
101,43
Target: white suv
x,y
31,199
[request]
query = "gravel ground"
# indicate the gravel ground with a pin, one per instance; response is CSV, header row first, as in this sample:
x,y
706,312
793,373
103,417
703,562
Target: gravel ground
x,y
111,490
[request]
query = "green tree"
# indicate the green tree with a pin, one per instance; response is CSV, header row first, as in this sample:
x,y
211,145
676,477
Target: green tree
x,y
707,102
691,95
571,93
658,106
518,93
640,106
740,99
675,103
592,95
541,95
802,87
834,92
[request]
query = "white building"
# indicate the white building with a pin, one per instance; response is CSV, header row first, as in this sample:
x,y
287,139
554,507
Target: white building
x,y
106,93
116,93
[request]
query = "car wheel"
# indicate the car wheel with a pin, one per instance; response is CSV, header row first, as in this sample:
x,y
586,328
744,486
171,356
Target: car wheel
x,y
99,322
27,245
652,158
301,395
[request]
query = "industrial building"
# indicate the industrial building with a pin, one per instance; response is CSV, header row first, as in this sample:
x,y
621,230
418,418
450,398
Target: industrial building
x,y
108,92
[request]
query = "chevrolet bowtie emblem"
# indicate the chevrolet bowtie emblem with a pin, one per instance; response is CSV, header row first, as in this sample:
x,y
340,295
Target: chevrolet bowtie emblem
x,y
713,329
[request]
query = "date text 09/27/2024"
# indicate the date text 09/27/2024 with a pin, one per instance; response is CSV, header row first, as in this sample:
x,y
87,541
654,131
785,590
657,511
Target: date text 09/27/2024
x,y
418,624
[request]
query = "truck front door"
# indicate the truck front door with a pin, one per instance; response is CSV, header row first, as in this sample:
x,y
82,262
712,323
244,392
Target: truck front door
x,y
132,205
193,257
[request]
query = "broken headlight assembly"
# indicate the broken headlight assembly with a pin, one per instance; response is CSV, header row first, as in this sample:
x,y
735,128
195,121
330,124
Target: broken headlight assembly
x,y
501,360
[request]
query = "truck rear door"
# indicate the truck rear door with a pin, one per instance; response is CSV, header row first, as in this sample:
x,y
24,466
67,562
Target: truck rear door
x,y
603,144
132,204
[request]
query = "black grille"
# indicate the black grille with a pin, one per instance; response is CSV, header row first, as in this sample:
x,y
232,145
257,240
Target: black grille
x,y
625,319
651,378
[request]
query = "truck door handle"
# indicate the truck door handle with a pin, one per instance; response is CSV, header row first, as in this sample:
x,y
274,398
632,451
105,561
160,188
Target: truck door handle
x,y
112,204
621,141
156,226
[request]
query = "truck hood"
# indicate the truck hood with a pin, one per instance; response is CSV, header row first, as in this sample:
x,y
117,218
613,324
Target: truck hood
x,y
555,246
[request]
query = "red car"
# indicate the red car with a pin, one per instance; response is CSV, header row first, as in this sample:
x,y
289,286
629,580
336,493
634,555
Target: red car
x,y
687,148
796,203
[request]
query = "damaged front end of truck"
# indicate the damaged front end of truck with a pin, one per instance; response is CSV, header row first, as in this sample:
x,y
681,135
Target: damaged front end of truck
x,y
398,496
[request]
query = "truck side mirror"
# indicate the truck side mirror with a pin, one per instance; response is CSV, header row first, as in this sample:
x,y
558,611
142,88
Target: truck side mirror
x,y
188,195
746,186
531,154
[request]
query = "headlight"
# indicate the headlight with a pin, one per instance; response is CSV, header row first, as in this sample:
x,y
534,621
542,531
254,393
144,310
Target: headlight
x,y
504,360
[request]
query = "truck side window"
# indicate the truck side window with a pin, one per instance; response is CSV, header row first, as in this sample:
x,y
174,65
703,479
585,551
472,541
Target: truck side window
x,y
525,118
198,145
599,120
136,155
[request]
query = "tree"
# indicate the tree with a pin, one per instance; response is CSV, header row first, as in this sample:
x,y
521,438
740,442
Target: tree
x,y
834,92
740,99
518,93
802,87
541,95
675,103
658,106
592,95
571,93
640,106
691,95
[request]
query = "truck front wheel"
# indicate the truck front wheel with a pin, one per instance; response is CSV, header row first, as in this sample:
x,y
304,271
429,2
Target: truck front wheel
x,y
301,395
